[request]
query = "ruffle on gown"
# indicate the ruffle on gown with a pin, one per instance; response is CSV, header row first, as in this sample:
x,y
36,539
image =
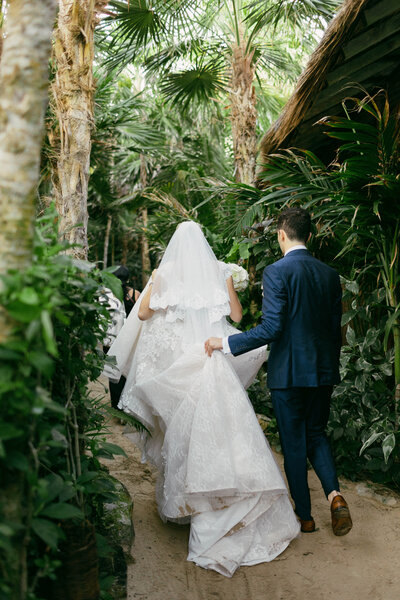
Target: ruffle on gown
x,y
216,467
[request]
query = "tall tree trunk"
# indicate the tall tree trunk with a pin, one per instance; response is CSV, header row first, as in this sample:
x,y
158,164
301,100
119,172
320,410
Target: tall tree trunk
x,y
73,92
145,254
2,6
107,241
23,95
243,113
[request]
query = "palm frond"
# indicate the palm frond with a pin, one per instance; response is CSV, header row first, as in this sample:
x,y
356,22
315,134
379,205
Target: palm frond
x,y
262,14
200,83
274,57
190,49
134,24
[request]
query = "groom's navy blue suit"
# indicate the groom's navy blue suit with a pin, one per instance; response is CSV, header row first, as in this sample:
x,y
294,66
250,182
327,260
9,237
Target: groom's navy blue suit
x,y
301,315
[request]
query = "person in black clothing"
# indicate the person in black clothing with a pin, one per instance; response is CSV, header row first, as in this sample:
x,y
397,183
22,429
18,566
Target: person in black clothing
x,y
130,295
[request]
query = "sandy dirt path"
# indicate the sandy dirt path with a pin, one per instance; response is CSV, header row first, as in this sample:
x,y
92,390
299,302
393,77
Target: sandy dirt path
x,y
364,565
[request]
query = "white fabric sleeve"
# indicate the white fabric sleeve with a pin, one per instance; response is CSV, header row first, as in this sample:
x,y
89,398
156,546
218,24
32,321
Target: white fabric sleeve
x,y
225,346
226,269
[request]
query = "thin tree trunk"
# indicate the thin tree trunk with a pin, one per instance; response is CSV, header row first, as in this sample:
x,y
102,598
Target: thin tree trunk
x,y
125,248
23,95
73,92
145,254
113,248
243,113
107,241
146,265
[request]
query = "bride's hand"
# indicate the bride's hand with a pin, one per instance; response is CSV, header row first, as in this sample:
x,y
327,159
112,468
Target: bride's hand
x,y
154,273
213,343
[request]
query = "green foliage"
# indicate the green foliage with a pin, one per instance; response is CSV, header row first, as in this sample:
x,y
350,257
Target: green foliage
x,y
264,13
363,424
356,223
200,83
163,127
188,45
52,432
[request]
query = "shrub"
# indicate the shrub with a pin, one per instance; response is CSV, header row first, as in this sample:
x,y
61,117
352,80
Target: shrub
x,y
51,430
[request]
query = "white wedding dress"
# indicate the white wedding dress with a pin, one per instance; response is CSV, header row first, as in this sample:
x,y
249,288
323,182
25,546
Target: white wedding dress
x,y
215,466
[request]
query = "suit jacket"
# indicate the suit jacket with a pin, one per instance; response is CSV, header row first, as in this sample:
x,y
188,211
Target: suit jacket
x,y
301,315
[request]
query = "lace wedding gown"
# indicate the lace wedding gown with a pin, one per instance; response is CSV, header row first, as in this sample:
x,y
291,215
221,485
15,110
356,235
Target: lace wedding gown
x,y
215,466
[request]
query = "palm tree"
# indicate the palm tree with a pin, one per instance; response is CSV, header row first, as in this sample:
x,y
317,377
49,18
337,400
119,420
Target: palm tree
x,y
226,46
2,9
24,76
73,91
23,95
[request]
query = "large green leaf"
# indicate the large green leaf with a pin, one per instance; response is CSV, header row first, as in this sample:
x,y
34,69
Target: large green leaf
x,y
47,531
61,510
376,435
388,445
112,448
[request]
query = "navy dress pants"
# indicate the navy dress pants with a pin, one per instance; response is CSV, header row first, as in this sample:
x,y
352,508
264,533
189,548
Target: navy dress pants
x,y
302,416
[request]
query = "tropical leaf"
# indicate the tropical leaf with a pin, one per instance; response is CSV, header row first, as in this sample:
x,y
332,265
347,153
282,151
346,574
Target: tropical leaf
x,y
61,510
262,14
190,49
201,83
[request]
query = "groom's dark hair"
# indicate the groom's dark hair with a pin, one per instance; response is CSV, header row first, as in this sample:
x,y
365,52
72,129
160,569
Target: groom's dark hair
x,y
296,223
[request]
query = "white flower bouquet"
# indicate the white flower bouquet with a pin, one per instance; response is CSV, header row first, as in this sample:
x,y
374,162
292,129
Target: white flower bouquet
x,y
240,277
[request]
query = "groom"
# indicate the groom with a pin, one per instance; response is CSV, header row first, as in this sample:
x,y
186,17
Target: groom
x,y
301,315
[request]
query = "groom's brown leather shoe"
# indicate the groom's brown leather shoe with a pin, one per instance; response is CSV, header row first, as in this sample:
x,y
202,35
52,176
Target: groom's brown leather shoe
x,y
341,519
307,526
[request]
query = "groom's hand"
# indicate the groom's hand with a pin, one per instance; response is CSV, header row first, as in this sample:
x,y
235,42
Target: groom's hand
x,y
212,344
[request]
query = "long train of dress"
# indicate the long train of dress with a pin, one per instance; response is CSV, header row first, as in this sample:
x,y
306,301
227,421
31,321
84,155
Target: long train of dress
x,y
215,466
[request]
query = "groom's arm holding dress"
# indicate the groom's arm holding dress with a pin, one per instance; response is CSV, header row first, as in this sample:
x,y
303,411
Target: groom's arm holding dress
x,y
274,308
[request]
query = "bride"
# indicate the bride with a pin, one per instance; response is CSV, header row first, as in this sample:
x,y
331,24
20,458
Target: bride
x,y
215,467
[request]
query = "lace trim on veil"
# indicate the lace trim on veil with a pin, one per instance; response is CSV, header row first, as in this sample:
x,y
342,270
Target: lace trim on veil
x,y
177,304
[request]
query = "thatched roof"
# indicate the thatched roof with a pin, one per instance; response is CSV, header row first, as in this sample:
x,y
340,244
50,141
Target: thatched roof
x,y
361,46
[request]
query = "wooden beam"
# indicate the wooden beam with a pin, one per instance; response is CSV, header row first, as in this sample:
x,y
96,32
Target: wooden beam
x,y
372,36
381,10
344,70
311,136
331,94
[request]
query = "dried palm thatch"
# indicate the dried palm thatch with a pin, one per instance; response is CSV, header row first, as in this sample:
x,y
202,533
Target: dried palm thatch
x,y
313,77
